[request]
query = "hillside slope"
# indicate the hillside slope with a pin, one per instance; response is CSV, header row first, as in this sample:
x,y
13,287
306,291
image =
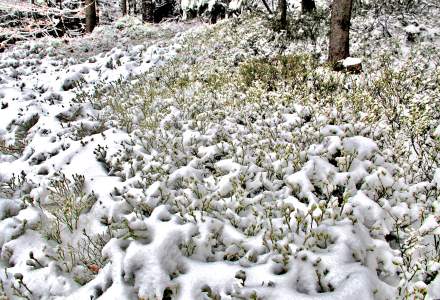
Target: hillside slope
x,y
226,162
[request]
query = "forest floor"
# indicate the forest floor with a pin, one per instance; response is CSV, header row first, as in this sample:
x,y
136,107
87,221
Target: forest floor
x,y
20,21
21,5
228,161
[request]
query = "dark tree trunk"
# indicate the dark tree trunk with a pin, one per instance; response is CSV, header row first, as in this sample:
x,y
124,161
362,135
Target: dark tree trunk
x,y
124,7
32,11
307,6
97,11
90,15
282,8
148,11
132,7
339,30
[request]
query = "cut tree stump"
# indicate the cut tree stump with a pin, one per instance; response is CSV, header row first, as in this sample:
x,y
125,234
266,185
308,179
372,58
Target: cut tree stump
x,y
350,65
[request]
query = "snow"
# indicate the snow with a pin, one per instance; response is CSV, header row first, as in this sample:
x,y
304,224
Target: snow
x,y
360,146
194,5
436,179
276,193
430,225
437,132
351,61
412,29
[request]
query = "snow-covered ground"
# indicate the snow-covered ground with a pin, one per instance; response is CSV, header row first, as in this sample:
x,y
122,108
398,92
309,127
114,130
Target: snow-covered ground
x,y
221,162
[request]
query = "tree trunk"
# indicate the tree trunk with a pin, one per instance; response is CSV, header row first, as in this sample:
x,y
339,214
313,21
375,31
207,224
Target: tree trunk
x,y
97,11
124,7
339,30
307,6
282,8
90,15
148,11
32,13
132,8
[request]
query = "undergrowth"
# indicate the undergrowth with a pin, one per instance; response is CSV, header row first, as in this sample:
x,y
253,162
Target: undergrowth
x,y
394,106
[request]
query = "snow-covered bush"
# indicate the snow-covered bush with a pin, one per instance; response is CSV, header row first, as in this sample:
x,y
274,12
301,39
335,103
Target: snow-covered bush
x,y
282,127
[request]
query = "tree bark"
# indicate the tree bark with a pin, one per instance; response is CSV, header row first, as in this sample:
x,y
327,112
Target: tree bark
x,y
97,11
307,6
132,8
148,11
124,7
90,15
282,8
340,30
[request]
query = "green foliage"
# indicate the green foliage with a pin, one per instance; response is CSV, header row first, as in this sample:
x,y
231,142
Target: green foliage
x,y
68,200
283,69
21,131
259,70
309,26
394,106
9,187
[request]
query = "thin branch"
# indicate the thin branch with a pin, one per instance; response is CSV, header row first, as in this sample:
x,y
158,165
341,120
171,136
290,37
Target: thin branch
x,y
267,7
